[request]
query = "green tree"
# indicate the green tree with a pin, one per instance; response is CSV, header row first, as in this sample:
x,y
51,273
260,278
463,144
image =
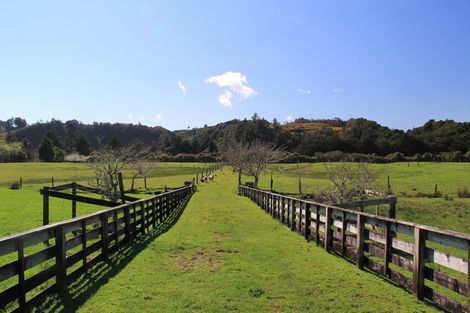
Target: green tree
x,y
49,150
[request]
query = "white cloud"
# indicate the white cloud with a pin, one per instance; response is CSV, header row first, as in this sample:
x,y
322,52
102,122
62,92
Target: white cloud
x,y
225,99
159,116
235,83
141,119
302,91
182,87
338,90
130,117
289,119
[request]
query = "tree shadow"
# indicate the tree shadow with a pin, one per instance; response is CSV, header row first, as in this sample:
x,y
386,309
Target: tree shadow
x,y
87,284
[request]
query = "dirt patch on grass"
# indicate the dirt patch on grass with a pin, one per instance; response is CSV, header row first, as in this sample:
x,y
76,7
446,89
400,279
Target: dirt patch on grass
x,y
218,237
201,259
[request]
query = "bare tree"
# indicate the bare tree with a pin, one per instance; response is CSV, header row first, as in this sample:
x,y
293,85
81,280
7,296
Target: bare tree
x,y
107,163
140,169
350,182
252,158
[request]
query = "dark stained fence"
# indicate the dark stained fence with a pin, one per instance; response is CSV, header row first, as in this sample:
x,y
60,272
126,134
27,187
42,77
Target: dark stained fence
x,y
61,252
429,261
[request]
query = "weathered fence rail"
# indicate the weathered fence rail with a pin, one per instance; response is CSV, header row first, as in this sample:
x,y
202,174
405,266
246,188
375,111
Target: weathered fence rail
x,y
430,262
73,247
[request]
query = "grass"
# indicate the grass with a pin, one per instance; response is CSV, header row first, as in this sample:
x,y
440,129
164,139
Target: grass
x,y
226,255
408,181
22,209
39,174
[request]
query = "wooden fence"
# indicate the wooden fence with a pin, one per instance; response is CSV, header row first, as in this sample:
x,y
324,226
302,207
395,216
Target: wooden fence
x,y
429,261
59,253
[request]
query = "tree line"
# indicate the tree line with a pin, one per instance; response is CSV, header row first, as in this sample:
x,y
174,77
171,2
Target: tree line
x,y
309,140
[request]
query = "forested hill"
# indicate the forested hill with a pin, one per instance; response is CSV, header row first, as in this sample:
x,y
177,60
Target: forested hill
x,y
444,140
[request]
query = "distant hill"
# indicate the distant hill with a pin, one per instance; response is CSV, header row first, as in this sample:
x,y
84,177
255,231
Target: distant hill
x,y
446,140
96,134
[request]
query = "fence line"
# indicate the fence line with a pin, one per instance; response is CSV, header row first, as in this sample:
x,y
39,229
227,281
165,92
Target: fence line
x,y
72,247
420,258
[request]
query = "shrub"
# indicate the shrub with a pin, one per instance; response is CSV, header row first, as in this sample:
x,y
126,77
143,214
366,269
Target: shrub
x,y
12,152
395,157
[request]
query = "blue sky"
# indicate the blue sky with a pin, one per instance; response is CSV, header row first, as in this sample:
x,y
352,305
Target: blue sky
x,y
190,63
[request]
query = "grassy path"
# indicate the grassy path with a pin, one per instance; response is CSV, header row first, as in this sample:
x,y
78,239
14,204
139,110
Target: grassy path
x,y
226,255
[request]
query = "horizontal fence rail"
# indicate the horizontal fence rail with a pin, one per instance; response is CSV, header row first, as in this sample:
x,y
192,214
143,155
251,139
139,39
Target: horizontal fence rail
x,y
46,259
429,261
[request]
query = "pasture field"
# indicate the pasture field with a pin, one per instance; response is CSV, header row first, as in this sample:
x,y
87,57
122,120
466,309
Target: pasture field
x,y
22,209
226,255
413,185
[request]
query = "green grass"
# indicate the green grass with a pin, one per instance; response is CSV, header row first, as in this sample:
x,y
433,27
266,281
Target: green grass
x,y
39,174
22,209
227,255
408,180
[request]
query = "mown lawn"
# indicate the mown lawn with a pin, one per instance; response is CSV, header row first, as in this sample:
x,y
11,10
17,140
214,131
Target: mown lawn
x,y
226,255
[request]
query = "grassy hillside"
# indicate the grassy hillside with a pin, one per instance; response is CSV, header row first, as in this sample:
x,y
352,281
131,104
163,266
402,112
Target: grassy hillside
x,y
226,255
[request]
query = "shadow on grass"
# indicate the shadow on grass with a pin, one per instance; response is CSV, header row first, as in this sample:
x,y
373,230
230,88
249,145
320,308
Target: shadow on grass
x,y
88,284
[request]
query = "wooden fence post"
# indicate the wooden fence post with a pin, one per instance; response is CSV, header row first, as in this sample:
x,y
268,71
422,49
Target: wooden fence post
x,y
307,221
360,241
21,182
328,233
154,213
283,209
121,188
60,260
84,239
392,211
317,225
52,181
115,224
344,226
300,186
127,223
387,249
74,202
271,183
419,262
273,205
142,217
21,270
45,206
104,235
292,216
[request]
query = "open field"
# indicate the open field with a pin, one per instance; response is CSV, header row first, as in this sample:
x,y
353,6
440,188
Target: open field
x,y
22,209
407,182
226,255
410,182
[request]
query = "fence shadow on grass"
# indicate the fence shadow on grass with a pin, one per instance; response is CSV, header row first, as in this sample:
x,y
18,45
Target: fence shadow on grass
x,y
88,284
